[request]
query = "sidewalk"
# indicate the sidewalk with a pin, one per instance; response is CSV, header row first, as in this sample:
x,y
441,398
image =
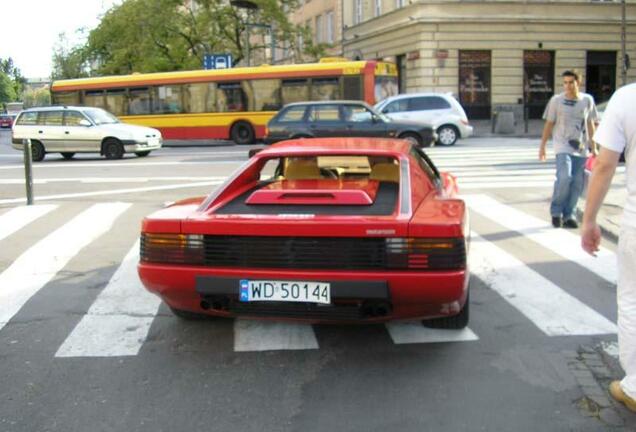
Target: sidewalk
x,y
611,212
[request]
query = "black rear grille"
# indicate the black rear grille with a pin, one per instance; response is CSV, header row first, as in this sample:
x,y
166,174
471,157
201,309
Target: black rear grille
x,y
335,253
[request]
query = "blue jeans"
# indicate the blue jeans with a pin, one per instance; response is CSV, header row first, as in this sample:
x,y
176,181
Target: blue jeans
x,y
568,186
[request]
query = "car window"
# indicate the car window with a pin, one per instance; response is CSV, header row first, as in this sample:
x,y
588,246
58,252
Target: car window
x,y
428,103
99,116
73,118
357,113
292,114
397,106
320,113
51,118
28,118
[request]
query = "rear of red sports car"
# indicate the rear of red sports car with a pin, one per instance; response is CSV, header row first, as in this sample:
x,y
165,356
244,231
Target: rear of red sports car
x,y
323,230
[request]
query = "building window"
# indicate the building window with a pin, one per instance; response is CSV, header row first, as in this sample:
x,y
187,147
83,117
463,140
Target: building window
x,y
474,83
319,32
378,8
357,11
329,33
399,3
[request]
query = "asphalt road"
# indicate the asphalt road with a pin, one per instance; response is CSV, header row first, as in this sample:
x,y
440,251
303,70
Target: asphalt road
x,y
538,353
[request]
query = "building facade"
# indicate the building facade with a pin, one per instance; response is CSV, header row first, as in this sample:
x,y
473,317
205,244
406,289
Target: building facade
x,y
492,54
324,19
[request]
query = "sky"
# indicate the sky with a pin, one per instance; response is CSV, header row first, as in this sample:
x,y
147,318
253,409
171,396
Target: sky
x,y
29,29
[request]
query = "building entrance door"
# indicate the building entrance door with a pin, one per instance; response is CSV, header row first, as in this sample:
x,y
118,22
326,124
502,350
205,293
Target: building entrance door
x,y
538,81
600,73
474,83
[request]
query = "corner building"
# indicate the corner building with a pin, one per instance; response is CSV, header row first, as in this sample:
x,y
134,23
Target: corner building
x,y
494,55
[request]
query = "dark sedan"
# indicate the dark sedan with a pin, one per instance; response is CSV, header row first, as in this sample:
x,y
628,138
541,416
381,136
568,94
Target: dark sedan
x,y
342,119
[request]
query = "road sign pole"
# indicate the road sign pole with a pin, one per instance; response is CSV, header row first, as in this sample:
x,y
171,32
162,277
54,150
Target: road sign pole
x,y
28,170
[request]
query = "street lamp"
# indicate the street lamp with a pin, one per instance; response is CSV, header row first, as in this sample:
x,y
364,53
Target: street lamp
x,y
251,6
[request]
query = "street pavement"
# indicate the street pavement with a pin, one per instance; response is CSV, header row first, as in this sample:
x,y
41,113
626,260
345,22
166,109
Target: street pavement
x,y
539,351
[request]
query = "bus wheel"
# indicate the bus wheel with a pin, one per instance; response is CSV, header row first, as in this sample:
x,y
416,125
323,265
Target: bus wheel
x,y
113,149
242,133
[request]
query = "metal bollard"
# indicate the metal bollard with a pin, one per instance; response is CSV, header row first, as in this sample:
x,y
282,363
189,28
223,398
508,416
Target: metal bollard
x,y
526,116
28,170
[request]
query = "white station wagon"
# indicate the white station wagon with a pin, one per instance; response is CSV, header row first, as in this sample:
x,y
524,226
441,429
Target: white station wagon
x,y
70,129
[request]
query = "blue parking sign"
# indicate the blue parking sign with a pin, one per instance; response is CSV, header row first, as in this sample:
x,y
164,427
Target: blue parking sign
x,y
217,61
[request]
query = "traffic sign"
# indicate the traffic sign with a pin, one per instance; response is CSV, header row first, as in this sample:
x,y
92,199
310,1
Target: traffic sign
x,y
217,61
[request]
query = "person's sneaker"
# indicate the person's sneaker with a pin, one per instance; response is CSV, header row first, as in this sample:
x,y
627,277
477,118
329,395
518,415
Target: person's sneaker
x,y
617,393
556,221
570,223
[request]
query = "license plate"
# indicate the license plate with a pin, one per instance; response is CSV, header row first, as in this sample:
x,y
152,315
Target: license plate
x,y
291,291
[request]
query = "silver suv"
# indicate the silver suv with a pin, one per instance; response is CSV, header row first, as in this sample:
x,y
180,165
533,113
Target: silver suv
x,y
438,109
70,129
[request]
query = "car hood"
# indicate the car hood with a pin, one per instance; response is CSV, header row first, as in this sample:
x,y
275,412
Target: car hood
x,y
130,130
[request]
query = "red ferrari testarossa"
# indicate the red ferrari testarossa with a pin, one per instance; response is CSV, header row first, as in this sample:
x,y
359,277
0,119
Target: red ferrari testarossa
x,y
319,230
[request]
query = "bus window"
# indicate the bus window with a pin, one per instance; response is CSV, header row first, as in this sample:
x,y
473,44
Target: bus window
x,y
138,101
352,88
199,98
66,98
266,94
295,90
230,97
167,100
385,86
94,98
116,101
325,89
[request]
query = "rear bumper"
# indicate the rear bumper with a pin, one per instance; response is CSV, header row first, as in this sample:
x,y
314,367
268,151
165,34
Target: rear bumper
x,y
465,131
356,296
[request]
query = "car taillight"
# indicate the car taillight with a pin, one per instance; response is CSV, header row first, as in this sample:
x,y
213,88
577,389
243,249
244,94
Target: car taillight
x,y
172,248
426,253
465,121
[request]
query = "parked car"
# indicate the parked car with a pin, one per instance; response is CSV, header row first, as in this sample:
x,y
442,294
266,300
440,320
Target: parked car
x,y
438,109
342,118
324,229
6,120
70,129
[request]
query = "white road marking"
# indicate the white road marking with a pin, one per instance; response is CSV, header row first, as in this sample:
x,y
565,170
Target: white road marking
x,y
251,335
91,180
111,192
503,184
118,322
19,217
564,243
415,332
32,270
551,309
100,164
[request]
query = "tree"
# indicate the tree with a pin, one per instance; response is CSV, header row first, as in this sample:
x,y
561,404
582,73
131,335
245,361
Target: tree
x,y
36,97
7,90
69,62
165,35
8,68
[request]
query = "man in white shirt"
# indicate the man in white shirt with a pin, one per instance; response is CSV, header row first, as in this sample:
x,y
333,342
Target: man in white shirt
x,y
617,132
569,120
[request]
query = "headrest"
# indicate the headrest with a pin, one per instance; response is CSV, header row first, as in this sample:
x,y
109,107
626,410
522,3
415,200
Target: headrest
x,y
302,170
389,172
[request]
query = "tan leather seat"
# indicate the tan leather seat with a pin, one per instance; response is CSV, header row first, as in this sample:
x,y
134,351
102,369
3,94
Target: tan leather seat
x,y
388,172
302,170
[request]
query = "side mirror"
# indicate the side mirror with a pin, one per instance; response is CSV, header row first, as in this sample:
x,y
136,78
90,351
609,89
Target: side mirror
x,y
85,122
375,118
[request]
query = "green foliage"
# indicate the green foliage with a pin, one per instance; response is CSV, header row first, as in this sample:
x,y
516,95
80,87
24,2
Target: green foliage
x,y
7,90
165,35
36,97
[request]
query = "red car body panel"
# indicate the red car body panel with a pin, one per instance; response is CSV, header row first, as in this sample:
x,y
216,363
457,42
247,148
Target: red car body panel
x,y
421,210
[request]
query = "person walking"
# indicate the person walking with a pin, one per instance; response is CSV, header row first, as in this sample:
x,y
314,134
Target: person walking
x,y
617,132
569,120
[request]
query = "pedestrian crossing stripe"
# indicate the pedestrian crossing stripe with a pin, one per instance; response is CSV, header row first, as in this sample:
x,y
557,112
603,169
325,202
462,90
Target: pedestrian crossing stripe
x,y
19,217
550,308
32,270
561,242
119,320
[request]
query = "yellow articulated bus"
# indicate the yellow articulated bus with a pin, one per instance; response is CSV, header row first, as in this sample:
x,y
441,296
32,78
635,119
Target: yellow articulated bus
x,y
232,103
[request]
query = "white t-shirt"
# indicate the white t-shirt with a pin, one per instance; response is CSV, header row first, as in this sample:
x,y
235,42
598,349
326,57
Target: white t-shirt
x,y
617,132
570,117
